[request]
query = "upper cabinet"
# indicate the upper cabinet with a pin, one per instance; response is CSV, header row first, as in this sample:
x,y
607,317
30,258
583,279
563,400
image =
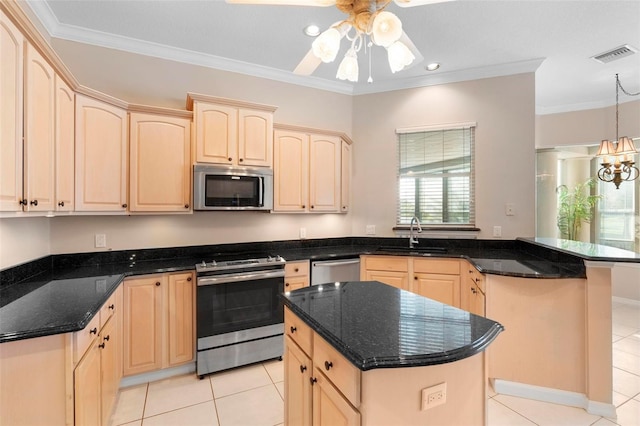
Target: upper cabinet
x,y
309,172
11,95
64,146
232,132
160,163
101,156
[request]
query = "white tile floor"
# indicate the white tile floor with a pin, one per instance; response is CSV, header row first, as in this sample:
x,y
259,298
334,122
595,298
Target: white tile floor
x,y
253,395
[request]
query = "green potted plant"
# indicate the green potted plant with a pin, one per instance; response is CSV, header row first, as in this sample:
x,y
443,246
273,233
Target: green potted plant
x,y
575,207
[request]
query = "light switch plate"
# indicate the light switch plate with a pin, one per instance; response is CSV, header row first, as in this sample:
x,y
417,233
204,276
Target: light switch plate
x,y
101,240
303,233
497,231
371,230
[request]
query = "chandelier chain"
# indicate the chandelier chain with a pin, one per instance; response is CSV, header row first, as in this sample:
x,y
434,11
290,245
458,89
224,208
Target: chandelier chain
x,y
619,86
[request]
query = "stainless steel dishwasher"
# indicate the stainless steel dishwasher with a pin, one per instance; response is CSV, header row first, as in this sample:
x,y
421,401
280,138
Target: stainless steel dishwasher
x,y
330,271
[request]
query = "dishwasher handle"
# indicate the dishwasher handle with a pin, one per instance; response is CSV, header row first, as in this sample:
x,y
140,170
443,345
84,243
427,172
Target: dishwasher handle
x,y
336,263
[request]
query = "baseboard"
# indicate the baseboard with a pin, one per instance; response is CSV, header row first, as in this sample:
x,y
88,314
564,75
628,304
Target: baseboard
x,y
555,396
626,301
153,376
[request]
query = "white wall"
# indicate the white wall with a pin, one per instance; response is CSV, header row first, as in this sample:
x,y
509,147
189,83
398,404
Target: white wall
x,y
23,239
504,110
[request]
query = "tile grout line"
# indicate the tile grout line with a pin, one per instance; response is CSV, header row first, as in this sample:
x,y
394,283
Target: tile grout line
x,y
215,405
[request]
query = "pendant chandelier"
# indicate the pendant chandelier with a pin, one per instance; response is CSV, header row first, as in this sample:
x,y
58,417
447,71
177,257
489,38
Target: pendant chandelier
x,y
617,156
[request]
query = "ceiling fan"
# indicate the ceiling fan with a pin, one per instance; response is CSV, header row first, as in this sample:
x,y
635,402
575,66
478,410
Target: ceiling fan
x,y
367,23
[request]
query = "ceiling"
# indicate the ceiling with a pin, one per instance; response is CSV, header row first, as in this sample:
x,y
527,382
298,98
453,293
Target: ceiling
x,y
471,39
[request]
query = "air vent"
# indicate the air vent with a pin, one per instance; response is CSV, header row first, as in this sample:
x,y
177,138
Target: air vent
x,y
615,54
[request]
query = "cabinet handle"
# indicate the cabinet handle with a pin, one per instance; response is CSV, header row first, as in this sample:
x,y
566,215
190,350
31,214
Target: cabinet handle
x,y
22,202
241,160
415,278
230,158
186,206
312,206
477,279
293,329
124,205
303,206
101,345
157,283
296,270
106,337
473,290
61,204
94,330
286,284
112,306
189,279
303,368
313,380
344,207
328,365
34,203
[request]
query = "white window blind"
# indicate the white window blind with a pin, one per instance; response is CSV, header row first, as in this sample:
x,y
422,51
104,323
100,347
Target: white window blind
x,y
435,176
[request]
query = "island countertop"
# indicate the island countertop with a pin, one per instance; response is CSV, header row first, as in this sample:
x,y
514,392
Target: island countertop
x,y
374,325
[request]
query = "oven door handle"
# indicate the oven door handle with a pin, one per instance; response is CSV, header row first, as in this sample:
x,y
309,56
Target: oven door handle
x,y
232,278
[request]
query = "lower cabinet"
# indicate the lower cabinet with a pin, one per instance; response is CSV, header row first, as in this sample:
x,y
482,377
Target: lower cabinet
x,y
96,377
296,275
472,290
437,279
322,388
391,270
158,322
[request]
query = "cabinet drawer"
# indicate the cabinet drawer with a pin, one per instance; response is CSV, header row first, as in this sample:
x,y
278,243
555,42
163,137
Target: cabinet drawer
x,y
107,310
437,266
83,338
344,375
386,263
296,269
300,332
474,275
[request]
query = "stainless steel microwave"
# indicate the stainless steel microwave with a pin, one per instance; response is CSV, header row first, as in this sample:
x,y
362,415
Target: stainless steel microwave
x,y
232,188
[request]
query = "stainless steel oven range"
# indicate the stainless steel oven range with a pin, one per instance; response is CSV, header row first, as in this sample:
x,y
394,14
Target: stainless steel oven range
x,y
239,314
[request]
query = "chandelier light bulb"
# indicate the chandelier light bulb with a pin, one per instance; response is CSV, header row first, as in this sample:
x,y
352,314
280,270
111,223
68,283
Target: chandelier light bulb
x,y
348,69
386,29
326,46
399,56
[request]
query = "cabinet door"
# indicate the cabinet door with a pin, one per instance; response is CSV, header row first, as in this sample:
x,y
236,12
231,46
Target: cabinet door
x,y
216,133
297,386
101,156
160,163
255,138
110,349
294,283
86,384
440,287
345,177
329,406
181,302
290,171
324,173
39,132
395,279
143,301
11,96
65,146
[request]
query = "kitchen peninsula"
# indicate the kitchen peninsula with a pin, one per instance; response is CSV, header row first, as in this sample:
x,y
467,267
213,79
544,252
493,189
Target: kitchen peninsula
x,y
397,357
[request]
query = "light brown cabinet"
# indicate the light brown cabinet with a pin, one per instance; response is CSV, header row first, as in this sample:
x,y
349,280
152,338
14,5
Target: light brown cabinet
x,y
64,146
307,172
345,177
101,156
11,94
160,163
322,388
158,322
437,279
296,275
96,377
392,270
472,289
232,132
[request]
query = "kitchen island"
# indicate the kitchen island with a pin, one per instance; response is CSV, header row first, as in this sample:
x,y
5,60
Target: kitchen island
x,y
367,353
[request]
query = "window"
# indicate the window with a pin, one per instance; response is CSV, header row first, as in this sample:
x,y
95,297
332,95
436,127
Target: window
x,y
435,175
616,215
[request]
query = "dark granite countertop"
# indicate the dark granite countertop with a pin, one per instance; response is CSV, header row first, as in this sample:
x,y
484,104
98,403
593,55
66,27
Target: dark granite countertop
x,y
378,326
30,305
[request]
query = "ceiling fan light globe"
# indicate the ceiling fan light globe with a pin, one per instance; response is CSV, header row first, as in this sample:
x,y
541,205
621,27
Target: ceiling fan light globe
x,y
386,29
399,56
348,69
326,45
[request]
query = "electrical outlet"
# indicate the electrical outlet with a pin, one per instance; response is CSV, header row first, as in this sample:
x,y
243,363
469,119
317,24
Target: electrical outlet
x,y
434,396
303,233
497,231
510,209
101,240
371,230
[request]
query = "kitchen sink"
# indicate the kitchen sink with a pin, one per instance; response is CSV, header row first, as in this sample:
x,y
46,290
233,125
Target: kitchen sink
x,y
412,251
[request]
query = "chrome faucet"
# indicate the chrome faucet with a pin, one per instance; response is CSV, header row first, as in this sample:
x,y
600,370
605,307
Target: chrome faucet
x,y
412,237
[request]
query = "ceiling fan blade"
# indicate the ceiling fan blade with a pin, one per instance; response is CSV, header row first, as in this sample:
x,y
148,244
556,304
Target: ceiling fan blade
x,y
411,3
412,47
308,64
320,3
